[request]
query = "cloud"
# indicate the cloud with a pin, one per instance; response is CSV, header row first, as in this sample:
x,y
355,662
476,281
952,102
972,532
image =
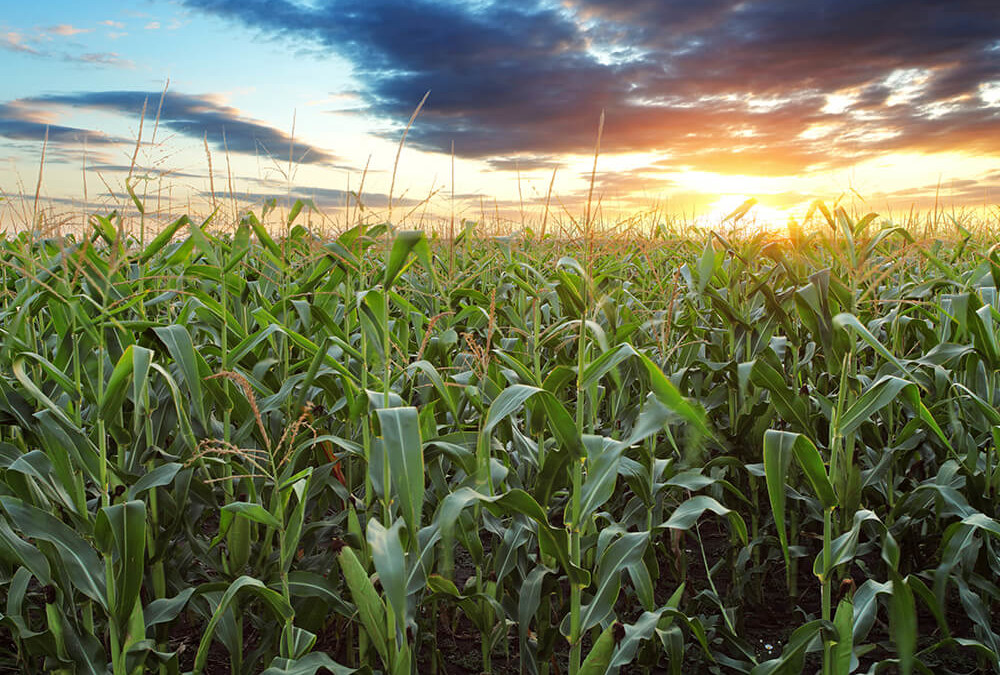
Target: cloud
x,y
15,42
525,163
194,116
103,59
152,25
940,196
101,165
22,130
66,30
22,122
720,85
323,197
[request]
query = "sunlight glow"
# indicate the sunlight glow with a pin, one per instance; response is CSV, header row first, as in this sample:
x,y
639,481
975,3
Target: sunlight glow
x,y
906,84
838,103
990,93
730,184
816,131
759,214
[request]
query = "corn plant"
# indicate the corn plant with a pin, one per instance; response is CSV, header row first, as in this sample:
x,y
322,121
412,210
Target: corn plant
x,y
248,447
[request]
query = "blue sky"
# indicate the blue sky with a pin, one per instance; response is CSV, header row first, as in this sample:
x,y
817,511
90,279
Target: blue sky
x,y
706,103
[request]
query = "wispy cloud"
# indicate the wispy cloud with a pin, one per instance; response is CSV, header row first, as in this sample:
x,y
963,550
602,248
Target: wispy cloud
x,y
721,85
15,42
324,197
66,30
103,59
525,163
152,25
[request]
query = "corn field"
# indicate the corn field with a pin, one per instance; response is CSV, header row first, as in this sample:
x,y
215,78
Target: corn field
x,y
226,451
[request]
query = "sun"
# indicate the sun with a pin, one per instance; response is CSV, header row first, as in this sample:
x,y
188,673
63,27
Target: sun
x,y
759,214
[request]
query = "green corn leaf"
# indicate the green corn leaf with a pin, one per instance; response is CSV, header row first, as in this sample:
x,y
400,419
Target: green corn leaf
x,y
606,363
866,607
983,522
662,387
306,584
162,239
85,569
204,242
37,465
878,396
791,406
371,609
777,461
18,368
293,530
132,369
17,549
159,477
178,342
242,586
706,266
121,529
405,243
264,237
507,403
602,470
254,512
528,601
15,619
686,515
650,623
600,653
552,541
602,474
309,664
444,391
793,655
404,452
625,551
813,467
902,622
886,390
184,421
241,247
165,610
977,611
60,378
843,648
846,321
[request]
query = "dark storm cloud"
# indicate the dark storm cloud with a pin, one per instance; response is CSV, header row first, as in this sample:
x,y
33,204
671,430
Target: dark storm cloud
x,y
194,116
675,76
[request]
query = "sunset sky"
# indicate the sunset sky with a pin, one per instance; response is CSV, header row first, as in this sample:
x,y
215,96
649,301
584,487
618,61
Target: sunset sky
x,y
706,102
